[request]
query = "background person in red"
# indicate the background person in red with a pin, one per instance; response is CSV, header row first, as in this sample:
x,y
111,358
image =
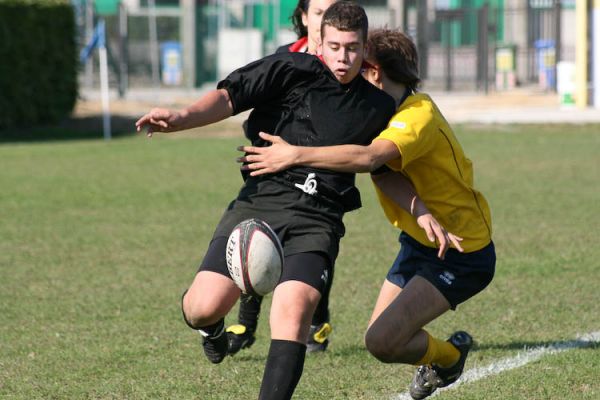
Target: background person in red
x,y
307,24
307,18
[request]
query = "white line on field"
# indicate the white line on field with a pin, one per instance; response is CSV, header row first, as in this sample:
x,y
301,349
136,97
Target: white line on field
x,y
517,361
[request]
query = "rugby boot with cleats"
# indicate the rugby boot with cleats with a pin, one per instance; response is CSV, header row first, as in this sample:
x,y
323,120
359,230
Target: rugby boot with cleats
x,y
215,345
239,337
424,383
318,337
463,342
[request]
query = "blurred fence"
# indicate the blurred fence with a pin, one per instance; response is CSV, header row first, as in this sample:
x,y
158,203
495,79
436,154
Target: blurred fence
x,y
470,48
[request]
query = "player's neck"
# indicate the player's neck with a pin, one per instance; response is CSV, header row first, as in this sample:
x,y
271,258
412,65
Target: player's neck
x,y
396,90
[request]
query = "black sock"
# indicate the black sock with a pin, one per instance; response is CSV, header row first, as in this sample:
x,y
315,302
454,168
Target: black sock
x,y
214,330
321,314
249,310
285,363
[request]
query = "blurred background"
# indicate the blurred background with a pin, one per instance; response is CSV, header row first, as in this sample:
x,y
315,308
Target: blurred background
x,y
464,45
490,60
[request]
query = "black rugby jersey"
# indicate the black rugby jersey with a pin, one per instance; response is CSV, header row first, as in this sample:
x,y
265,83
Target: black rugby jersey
x,y
295,96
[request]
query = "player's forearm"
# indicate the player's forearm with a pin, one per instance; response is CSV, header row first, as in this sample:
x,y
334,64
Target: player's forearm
x,y
398,188
213,107
343,158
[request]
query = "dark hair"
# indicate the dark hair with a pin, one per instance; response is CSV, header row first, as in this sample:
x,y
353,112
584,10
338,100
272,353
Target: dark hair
x,y
346,16
396,54
296,18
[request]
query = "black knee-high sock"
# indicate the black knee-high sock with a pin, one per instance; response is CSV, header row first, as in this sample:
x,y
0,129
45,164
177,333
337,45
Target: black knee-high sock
x,y
249,311
285,363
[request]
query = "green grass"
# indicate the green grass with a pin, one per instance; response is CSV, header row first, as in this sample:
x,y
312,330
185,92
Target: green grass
x,y
98,240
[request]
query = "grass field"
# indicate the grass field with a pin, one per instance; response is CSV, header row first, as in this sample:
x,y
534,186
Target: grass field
x,y
98,240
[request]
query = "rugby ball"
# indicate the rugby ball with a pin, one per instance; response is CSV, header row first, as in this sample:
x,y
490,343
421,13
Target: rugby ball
x,y
254,257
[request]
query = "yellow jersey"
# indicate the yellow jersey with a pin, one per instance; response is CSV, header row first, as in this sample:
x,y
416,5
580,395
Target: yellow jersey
x,y
434,161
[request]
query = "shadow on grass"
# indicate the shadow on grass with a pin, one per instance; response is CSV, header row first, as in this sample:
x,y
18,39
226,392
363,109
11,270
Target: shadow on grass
x,y
73,128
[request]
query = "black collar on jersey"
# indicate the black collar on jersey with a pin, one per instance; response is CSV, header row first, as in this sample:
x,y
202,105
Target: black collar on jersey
x,y
407,92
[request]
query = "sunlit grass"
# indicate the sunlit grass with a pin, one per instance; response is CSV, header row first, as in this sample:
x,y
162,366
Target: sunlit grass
x,y
98,240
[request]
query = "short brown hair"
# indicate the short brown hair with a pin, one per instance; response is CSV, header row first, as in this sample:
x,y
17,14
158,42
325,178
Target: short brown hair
x,y
396,54
346,16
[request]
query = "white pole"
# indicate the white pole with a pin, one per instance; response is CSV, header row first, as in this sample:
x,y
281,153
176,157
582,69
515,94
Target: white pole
x,y
596,54
153,43
104,89
188,41
581,53
104,81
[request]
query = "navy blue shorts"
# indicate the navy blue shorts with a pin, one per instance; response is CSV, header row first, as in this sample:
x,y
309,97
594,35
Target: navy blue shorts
x,y
458,277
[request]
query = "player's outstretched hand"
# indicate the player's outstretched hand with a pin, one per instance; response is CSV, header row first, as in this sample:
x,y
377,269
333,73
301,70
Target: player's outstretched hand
x,y
438,234
158,120
278,156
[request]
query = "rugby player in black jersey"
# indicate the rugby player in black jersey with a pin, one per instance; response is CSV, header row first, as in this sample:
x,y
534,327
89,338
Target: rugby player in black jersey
x,y
307,17
310,102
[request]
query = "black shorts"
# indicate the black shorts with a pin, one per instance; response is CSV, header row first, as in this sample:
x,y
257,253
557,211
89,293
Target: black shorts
x,y
306,227
458,277
314,268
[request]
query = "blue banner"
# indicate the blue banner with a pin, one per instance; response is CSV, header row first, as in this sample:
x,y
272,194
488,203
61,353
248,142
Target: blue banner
x,y
98,39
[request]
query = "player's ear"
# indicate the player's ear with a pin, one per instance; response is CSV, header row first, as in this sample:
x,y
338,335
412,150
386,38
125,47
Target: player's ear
x,y
372,73
319,48
376,71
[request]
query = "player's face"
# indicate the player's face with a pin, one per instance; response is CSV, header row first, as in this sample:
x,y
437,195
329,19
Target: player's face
x,y
343,52
312,20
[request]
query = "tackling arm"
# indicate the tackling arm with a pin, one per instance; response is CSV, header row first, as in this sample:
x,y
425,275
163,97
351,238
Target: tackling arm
x,y
344,158
398,188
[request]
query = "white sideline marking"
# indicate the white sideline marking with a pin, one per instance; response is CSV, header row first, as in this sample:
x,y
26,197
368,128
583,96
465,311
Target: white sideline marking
x,y
517,361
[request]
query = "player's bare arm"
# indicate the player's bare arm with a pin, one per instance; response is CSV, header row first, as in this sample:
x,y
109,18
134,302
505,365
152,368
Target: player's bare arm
x,y
214,106
344,158
397,187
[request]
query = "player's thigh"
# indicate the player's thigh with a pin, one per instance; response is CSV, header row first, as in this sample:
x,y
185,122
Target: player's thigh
x,y
303,280
387,294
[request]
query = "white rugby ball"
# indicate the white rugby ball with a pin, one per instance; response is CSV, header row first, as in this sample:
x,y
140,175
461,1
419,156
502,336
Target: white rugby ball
x,y
254,257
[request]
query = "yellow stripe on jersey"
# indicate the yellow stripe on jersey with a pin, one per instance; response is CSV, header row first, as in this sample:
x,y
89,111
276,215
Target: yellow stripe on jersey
x,y
435,163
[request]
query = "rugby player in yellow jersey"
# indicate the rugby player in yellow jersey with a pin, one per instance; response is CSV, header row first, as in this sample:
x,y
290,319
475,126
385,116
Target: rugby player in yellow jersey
x,y
416,153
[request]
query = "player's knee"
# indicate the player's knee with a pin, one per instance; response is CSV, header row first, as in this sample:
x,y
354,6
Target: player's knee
x,y
194,314
378,345
385,345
